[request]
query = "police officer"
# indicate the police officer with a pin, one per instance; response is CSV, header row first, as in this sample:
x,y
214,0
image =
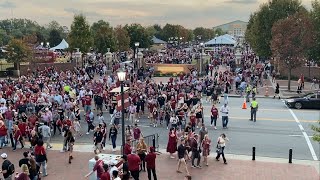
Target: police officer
x,y
254,91
254,109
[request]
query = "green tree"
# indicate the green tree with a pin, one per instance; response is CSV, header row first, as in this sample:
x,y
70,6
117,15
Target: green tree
x,y
123,38
169,31
292,37
104,37
314,52
260,23
80,35
316,129
18,51
204,33
54,37
219,32
137,33
4,37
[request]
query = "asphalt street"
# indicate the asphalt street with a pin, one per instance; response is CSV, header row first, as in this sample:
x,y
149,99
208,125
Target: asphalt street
x,y
275,132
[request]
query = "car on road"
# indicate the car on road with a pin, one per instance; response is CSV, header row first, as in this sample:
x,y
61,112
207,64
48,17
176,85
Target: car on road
x,y
307,101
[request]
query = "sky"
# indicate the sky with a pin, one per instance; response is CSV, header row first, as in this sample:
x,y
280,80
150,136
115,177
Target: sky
x,y
188,13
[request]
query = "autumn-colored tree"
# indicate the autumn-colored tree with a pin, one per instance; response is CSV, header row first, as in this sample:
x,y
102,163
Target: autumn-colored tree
x,y
292,37
123,38
18,51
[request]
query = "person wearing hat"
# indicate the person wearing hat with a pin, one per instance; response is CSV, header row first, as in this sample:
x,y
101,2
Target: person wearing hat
x,y
151,163
105,175
7,167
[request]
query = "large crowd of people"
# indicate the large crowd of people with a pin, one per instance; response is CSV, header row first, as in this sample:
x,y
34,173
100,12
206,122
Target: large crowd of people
x,y
45,102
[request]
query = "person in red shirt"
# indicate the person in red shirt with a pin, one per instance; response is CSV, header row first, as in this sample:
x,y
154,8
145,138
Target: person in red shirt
x,y
151,163
173,103
193,121
105,175
23,128
97,167
3,133
87,103
17,136
41,157
134,164
127,147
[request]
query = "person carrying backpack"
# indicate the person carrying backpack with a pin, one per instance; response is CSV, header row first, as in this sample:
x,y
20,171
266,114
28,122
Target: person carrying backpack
x,y
7,167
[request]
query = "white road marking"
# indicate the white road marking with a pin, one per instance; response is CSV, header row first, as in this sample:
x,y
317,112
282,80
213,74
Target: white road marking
x,y
313,153
296,135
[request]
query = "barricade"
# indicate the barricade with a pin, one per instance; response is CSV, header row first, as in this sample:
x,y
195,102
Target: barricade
x,y
150,140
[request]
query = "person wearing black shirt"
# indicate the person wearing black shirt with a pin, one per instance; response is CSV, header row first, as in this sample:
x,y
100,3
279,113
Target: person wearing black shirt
x,y
113,136
125,168
70,141
161,101
97,138
181,154
25,159
98,101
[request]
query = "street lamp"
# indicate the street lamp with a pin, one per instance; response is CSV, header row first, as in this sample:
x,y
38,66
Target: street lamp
x,y
122,78
108,57
201,57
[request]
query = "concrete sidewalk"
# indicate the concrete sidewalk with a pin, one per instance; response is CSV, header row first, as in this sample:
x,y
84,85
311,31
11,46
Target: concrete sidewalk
x,y
238,167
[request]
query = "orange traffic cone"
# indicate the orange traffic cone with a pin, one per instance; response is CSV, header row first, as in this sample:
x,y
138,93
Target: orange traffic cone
x,y
244,105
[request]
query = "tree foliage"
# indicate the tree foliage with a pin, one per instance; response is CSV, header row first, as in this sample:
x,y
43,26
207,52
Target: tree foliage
x,y
104,37
123,38
203,34
292,37
18,51
314,52
54,37
80,35
138,33
261,22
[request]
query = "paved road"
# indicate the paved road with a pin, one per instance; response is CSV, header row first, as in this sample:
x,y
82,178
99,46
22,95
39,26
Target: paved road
x,y
274,133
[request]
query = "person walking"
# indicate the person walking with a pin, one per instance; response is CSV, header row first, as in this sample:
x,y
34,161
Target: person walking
x,y
254,109
24,175
277,91
97,167
70,141
214,116
46,134
225,116
151,163
195,151
202,132
113,136
182,151
3,134
105,175
205,144
221,144
97,138
7,168
17,136
41,157
172,142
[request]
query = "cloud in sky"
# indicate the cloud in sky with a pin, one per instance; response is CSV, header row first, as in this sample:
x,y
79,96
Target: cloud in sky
x,y
7,4
189,13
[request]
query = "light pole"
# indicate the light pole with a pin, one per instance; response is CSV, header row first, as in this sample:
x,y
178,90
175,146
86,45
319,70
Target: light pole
x,y
136,44
201,58
122,78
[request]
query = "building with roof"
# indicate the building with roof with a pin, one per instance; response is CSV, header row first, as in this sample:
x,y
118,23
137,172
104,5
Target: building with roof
x,y
235,28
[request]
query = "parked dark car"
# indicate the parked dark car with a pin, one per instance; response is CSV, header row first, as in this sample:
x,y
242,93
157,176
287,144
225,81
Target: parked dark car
x,y
308,101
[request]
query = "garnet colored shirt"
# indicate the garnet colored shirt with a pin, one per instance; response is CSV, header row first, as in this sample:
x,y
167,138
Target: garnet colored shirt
x,y
39,150
87,101
193,119
127,149
98,167
133,162
17,134
3,131
151,160
105,176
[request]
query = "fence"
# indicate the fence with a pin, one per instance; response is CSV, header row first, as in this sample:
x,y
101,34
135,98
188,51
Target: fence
x,y
150,140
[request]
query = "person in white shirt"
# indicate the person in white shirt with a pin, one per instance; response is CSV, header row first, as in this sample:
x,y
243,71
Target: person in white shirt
x,y
221,144
225,115
115,175
113,167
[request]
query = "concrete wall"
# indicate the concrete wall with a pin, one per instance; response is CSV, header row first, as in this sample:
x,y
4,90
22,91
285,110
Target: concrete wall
x,y
314,72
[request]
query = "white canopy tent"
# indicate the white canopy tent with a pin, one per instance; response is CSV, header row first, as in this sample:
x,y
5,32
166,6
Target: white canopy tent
x,y
222,40
62,45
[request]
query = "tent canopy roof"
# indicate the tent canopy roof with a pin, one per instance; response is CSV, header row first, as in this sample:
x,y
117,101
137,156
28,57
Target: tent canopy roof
x,y
224,39
157,41
62,45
